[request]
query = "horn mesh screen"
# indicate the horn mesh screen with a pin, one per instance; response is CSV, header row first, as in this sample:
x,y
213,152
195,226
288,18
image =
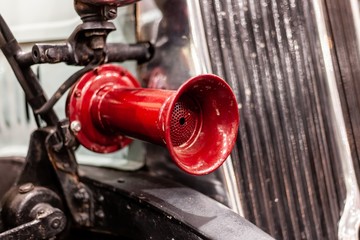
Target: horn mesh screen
x,y
184,121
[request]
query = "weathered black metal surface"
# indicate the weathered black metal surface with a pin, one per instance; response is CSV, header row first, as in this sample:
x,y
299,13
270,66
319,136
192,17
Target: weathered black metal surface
x,y
56,168
130,205
286,162
141,206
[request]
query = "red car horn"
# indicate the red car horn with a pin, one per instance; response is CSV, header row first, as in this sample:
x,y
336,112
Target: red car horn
x,y
198,123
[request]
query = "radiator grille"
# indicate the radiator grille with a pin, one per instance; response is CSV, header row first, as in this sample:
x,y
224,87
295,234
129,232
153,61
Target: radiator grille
x,y
286,162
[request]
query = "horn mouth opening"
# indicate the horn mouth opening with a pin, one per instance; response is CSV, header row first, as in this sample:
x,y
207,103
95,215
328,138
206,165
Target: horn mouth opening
x,y
202,124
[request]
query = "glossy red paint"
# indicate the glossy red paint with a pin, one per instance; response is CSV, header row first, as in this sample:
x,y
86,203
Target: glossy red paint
x,y
198,123
80,101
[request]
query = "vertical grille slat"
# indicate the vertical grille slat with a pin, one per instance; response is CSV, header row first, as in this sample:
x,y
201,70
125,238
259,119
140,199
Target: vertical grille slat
x,y
285,158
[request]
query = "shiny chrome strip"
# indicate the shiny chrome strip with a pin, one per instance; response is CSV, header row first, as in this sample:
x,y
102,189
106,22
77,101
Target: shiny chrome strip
x,y
201,55
232,189
350,219
191,56
198,47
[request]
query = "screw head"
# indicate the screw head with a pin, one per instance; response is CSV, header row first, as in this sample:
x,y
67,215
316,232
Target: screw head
x,y
75,126
120,180
101,198
112,13
100,214
25,188
56,223
78,94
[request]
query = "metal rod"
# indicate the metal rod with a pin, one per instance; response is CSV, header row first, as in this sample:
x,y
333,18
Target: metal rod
x,y
25,76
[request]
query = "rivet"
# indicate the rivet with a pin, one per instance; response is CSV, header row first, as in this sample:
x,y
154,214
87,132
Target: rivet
x,y
77,94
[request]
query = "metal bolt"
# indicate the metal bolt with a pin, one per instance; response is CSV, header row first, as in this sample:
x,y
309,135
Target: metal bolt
x,y
75,126
112,13
78,94
120,180
101,198
40,212
51,53
56,223
82,219
79,195
25,188
82,195
100,214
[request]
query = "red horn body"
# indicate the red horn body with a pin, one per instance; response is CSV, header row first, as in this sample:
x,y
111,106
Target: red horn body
x,y
198,123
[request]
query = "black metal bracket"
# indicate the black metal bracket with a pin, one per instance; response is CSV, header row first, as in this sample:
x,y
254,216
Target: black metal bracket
x,y
51,163
113,52
88,42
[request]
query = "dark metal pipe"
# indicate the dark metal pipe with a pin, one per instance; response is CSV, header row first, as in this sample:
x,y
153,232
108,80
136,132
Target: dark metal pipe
x,y
119,52
115,52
